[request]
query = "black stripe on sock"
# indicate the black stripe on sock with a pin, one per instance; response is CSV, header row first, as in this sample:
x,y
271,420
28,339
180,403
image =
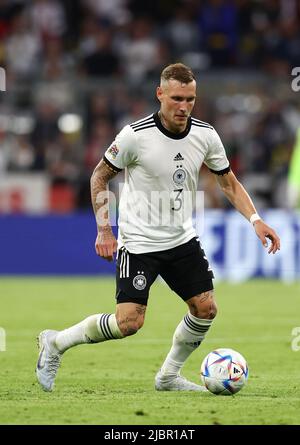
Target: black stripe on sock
x,y
192,325
110,336
108,327
198,331
103,327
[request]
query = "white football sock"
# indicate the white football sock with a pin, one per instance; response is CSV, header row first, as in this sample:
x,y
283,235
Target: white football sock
x,y
94,329
187,337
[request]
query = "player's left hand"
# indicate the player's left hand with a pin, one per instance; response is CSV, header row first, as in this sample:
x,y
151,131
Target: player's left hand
x,y
263,231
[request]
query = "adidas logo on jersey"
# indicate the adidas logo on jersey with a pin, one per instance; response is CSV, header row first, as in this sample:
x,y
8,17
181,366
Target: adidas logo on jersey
x,y
179,157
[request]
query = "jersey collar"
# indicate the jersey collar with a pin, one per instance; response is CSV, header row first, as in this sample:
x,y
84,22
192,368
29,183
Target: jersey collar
x,y
168,133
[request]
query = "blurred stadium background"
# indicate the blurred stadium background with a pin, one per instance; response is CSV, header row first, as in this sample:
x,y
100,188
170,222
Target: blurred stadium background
x,y
79,70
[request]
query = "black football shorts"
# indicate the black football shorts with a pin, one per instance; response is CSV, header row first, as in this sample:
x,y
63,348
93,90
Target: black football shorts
x,y
184,268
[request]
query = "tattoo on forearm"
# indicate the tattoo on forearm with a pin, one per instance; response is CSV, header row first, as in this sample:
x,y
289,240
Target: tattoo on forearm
x,y
99,192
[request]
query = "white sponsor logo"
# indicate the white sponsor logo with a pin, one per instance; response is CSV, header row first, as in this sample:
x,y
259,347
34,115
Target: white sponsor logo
x,y
154,208
2,340
296,340
296,80
2,80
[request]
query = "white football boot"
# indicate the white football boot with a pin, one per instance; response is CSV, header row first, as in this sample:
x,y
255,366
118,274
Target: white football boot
x,y
48,361
178,383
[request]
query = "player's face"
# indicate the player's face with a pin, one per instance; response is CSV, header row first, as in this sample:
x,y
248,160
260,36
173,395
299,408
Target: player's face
x,y
177,101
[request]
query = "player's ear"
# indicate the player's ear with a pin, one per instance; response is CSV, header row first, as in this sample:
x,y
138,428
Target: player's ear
x,y
159,93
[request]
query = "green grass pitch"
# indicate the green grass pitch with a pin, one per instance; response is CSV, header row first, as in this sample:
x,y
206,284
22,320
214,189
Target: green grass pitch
x,y
112,383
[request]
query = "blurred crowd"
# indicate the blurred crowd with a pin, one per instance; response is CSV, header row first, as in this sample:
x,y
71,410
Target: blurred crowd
x,y
78,70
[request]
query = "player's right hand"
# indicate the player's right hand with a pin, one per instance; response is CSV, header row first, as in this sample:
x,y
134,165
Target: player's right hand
x,y
106,244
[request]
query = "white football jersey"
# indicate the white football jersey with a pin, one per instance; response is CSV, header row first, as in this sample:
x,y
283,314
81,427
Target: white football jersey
x,y
161,177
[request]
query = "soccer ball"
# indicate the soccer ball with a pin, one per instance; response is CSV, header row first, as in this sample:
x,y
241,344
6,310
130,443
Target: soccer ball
x,y
224,371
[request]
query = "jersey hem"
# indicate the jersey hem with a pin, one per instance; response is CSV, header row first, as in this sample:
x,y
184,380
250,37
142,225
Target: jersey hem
x,y
142,248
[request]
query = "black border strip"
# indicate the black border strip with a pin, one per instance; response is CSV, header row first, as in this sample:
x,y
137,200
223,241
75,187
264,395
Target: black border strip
x,y
147,433
112,166
221,172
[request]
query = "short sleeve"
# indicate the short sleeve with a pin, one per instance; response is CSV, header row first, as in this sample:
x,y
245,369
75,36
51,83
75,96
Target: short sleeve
x,y
123,151
216,159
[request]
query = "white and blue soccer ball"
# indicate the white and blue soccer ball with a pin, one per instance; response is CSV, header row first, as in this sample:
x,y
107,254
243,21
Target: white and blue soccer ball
x,y
224,371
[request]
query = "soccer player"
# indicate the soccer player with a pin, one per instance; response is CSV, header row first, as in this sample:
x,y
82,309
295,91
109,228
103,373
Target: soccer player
x,y
163,154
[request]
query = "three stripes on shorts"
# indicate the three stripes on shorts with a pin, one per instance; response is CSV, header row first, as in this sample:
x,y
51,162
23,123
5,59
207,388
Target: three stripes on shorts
x,y
124,263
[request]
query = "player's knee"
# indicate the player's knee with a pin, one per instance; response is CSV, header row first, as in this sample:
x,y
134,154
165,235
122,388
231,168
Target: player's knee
x,y
206,312
212,311
130,329
130,317
130,326
203,306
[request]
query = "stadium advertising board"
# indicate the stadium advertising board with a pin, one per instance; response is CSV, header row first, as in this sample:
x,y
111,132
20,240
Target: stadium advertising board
x,y
232,248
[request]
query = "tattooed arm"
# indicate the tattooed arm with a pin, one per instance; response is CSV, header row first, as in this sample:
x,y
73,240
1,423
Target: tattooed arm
x,y
106,243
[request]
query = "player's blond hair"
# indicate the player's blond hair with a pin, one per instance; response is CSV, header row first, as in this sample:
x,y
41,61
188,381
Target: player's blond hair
x,y
177,71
